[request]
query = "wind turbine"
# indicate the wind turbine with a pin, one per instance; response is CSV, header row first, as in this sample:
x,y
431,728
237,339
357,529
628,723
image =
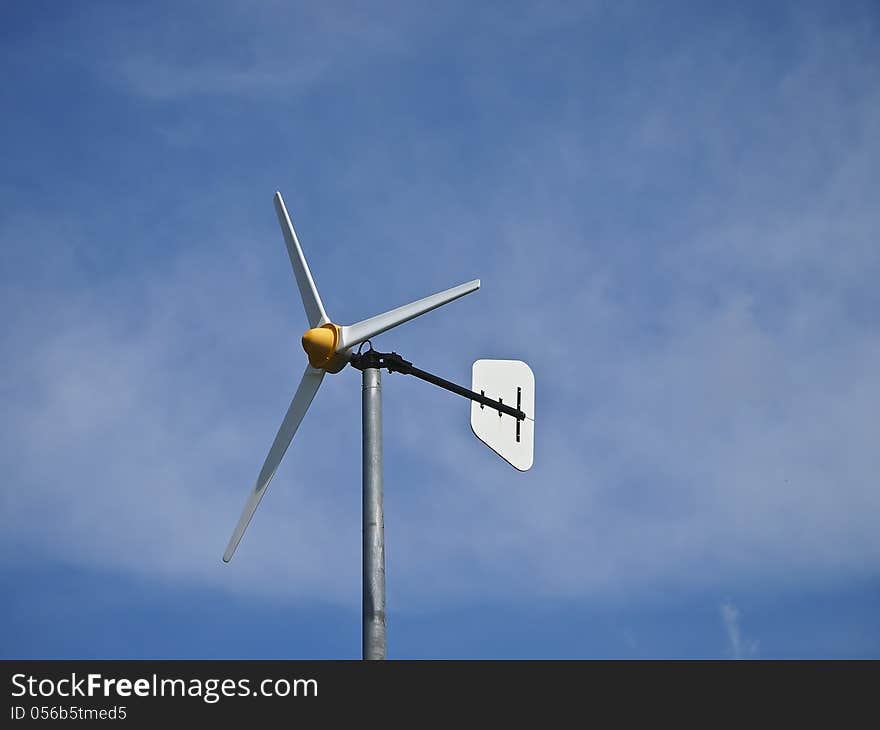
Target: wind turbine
x,y
329,348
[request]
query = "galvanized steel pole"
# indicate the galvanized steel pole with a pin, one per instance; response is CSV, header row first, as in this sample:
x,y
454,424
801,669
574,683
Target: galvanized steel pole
x,y
373,518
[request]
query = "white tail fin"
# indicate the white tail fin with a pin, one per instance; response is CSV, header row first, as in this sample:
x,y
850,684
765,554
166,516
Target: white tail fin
x,y
513,383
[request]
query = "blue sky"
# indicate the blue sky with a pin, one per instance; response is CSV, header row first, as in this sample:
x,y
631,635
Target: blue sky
x,y
673,211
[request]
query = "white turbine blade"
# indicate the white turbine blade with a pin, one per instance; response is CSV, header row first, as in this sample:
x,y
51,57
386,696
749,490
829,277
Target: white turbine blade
x,y
354,334
308,386
307,289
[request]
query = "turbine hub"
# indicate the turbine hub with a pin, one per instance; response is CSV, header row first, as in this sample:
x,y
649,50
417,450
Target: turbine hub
x,y
320,345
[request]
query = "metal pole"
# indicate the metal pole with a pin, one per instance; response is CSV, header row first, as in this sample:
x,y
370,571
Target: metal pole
x,y
373,518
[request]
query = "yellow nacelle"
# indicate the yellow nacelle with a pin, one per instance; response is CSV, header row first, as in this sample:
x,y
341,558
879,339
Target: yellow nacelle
x,y
320,345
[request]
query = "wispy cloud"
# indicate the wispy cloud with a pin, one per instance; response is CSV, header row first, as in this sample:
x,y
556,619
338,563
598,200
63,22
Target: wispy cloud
x,y
739,646
683,248
262,50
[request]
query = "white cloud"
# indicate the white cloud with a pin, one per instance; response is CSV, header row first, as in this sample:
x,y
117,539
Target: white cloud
x,y
266,50
706,364
739,646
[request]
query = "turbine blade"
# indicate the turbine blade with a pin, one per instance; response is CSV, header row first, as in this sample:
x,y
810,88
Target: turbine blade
x,y
354,334
307,289
308,386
